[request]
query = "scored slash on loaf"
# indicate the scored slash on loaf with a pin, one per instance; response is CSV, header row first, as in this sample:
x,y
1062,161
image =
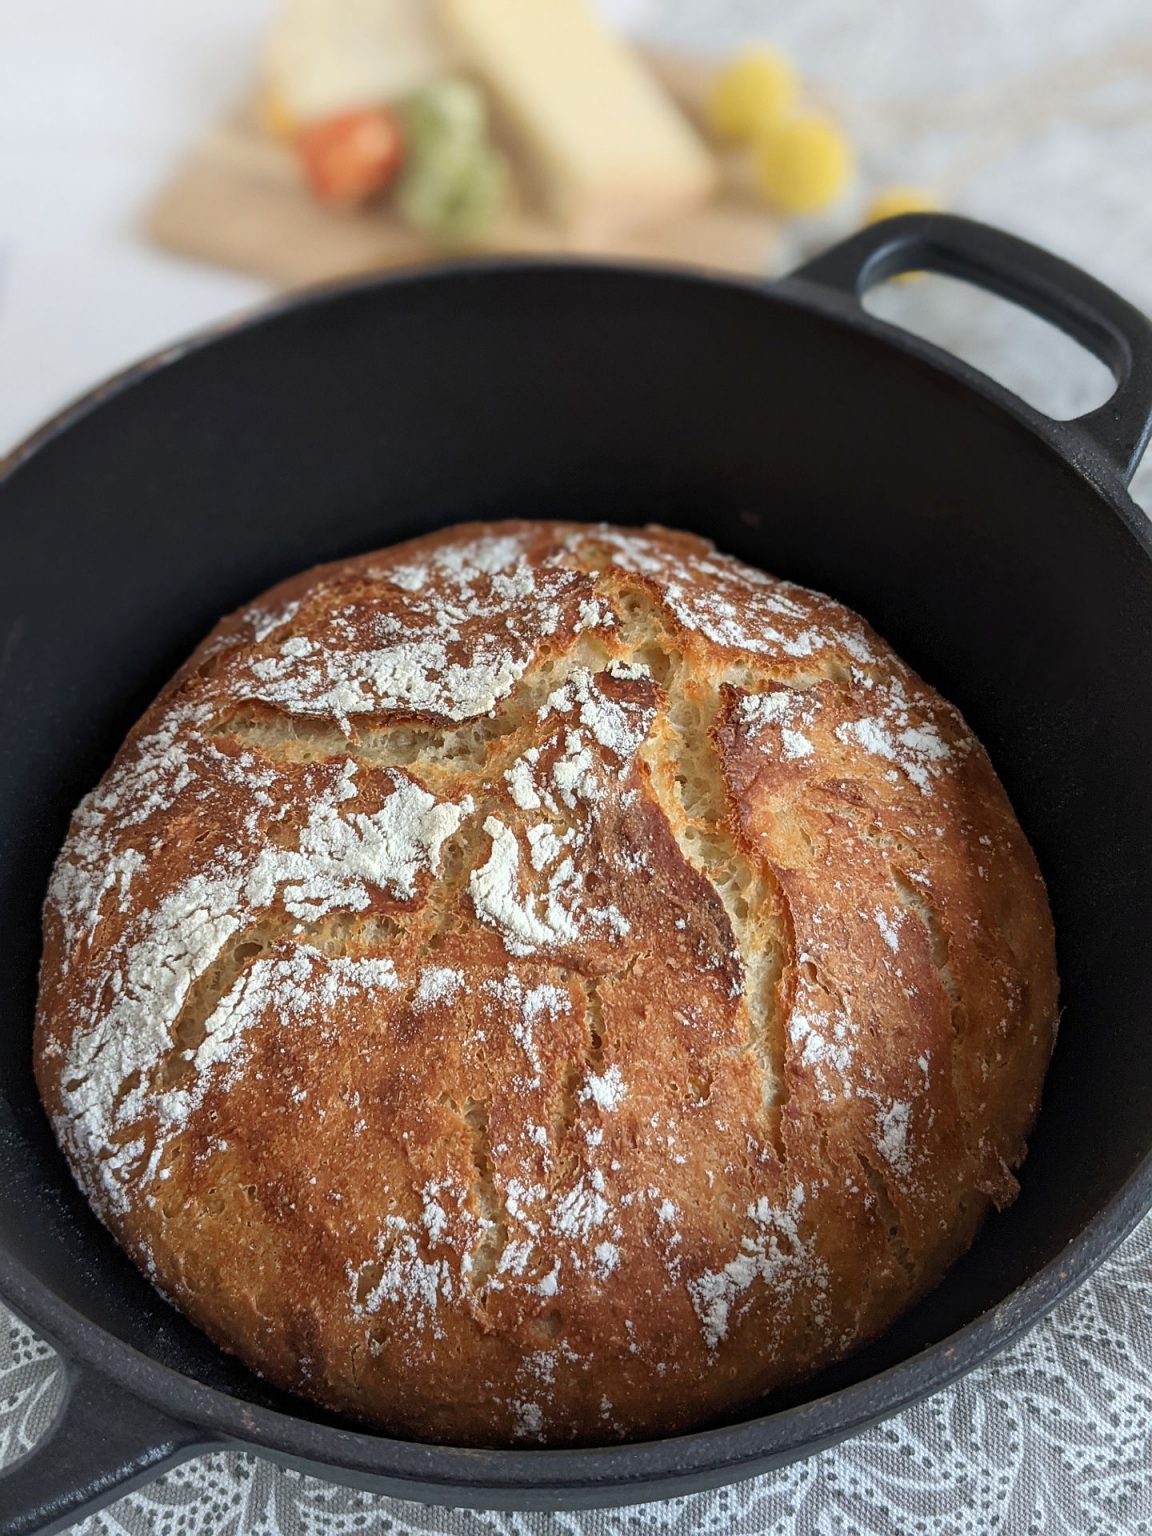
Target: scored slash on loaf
x,y
545,983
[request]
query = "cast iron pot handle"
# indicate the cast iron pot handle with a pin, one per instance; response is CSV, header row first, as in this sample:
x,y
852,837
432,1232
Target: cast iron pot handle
x,y
1115,332
101,1444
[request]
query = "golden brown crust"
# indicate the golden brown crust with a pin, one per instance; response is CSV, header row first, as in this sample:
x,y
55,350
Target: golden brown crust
x,y
545,983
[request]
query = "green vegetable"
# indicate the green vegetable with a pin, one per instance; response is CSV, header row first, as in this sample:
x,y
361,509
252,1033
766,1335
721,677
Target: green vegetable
x,y
454,181
448,111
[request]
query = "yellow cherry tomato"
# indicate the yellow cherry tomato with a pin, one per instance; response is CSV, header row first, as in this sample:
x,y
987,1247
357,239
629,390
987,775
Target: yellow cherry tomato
x,y
890,202
754,89
803,163
275,118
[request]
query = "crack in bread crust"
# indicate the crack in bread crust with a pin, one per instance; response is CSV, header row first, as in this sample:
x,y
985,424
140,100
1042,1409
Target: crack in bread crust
x,y
574,1079
489,1250
594,1022
339,934
916,902
472,748
689,786
889,1215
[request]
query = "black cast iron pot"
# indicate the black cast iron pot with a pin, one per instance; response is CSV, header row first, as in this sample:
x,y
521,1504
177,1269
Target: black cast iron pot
x,y
995,548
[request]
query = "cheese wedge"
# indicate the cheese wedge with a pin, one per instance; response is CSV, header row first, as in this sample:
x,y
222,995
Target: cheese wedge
x,y
327,56
607,149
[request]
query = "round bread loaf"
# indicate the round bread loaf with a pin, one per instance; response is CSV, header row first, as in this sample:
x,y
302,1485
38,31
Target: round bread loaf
x,y
545,983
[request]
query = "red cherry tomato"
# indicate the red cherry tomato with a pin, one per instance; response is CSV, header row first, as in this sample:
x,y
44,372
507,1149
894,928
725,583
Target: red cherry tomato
x,y
351,158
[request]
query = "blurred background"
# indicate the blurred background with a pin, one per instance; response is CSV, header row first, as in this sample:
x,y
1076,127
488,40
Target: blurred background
x,y
164,163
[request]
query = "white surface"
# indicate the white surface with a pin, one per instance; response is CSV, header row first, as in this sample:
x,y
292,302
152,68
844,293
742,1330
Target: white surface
x,y
97,98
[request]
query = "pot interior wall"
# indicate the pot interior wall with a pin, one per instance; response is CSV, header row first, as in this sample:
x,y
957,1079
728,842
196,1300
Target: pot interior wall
x,y
795,442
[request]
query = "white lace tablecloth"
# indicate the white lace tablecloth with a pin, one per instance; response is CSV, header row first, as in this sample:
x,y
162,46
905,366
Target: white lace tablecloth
x,y
1034,114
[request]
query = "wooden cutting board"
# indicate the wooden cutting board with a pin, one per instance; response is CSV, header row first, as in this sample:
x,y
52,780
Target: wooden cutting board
x,y
238,202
